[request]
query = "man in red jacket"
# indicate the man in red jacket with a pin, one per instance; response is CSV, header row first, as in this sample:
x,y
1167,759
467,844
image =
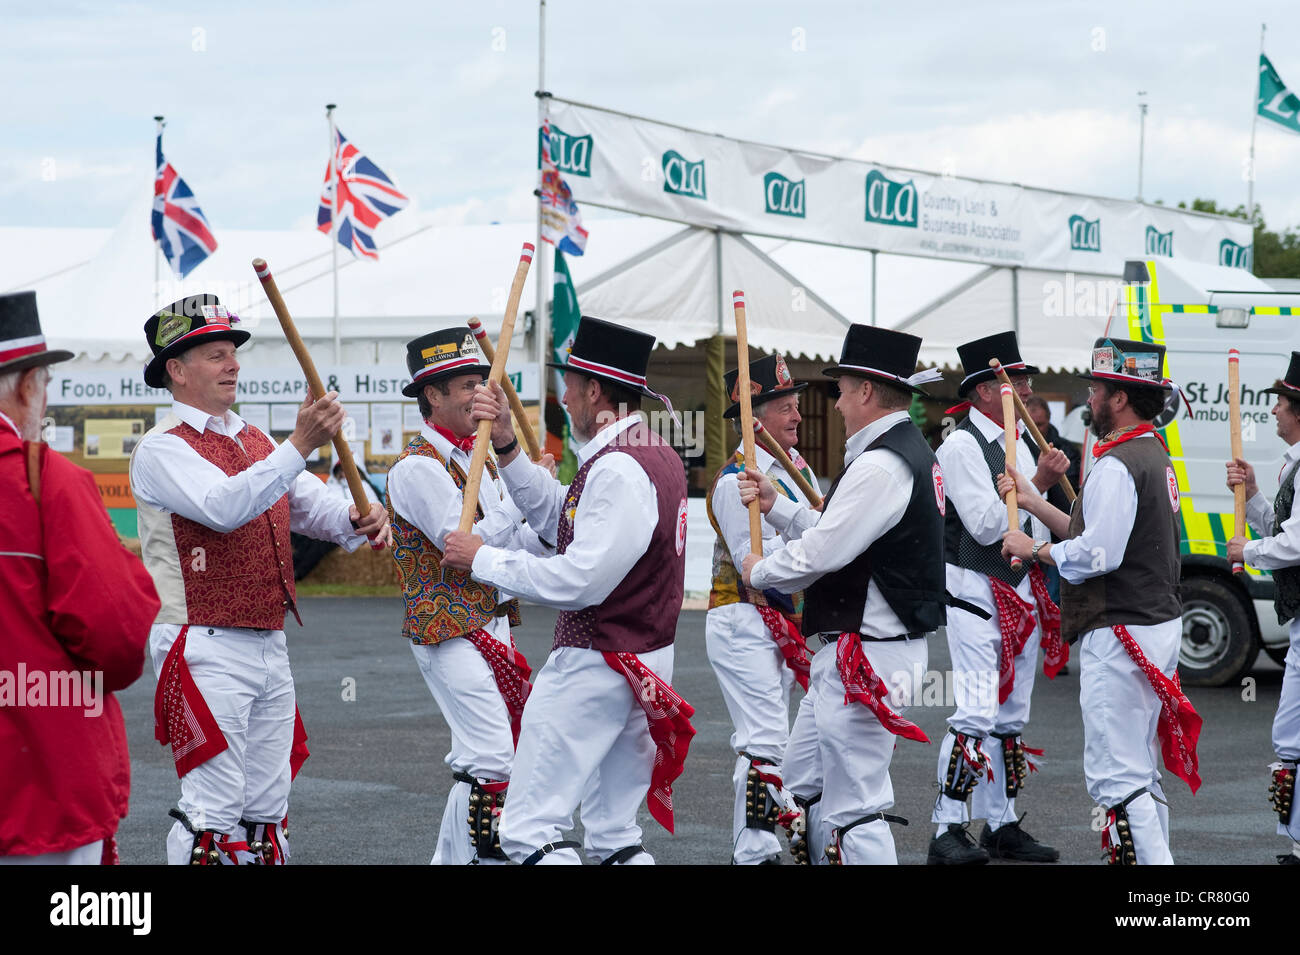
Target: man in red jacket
x,y
73,627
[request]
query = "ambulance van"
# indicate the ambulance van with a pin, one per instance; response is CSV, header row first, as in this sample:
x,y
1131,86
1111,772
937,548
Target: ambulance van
x,y
1199,312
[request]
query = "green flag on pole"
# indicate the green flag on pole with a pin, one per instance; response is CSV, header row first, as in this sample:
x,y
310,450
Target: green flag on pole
x,y
1275,101
564,325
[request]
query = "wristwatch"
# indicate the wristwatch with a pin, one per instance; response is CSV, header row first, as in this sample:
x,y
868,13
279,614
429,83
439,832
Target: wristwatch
x,y
1033,554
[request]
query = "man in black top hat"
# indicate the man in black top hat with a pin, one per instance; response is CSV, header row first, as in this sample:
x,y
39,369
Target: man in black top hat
x,y
1119,561
753,638
871,568
459,630
994,633
1278,550
76,610
216,501
617,575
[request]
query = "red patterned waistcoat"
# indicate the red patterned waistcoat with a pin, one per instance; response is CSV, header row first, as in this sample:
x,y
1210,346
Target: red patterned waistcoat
x,y
243,578
441,602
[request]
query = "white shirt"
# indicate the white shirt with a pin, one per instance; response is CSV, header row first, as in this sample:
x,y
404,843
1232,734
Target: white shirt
x,y
733,517
612,526
169,475
5,419
1278,546
969,488
1110,503
869,500
339,485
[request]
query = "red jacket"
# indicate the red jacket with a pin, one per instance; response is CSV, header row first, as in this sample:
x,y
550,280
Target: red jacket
x,y
75,602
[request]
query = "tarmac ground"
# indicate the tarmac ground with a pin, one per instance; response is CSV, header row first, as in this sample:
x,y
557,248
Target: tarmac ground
x,y
374,788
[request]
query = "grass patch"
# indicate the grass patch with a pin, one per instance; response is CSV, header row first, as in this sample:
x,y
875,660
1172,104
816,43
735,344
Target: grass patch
x,y
306,589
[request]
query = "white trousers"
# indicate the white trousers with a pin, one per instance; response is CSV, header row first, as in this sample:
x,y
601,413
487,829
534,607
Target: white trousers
x,y
975,646
755,685
466,692
842,751
585,740
1286,723
90,854
1121,748
245,681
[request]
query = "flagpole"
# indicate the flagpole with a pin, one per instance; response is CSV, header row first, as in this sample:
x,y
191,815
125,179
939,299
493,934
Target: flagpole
x,y
157,253
334,226
1254,120
540,323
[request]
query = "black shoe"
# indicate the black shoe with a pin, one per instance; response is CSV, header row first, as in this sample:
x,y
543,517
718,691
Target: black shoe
x,y
1289,859
1012,842
956,847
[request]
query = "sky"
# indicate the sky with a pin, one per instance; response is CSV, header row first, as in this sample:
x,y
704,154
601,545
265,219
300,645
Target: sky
x,y
440,95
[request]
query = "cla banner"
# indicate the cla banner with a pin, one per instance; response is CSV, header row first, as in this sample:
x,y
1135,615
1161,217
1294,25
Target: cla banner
x,y
642,166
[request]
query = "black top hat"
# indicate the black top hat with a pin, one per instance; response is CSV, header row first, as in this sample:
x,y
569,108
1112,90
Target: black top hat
x,y
975,357
22,345
768,378
1290,385
881,353
174,330
611,352
1128,362
440,354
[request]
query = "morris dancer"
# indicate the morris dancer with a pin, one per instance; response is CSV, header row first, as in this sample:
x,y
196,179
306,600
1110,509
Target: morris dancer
x,y
871,568
753,638
480,682
617,576
995,632
1119,563
216,501
76,613
1279,551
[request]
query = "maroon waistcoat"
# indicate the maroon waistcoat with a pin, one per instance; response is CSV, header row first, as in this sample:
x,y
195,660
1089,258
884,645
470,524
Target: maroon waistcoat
x,y
641,613
244,578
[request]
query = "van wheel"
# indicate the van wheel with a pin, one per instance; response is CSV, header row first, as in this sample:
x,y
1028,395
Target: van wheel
x,y
1219,644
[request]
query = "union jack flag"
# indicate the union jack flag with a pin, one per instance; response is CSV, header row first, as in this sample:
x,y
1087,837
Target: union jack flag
x,y
179,226
367,196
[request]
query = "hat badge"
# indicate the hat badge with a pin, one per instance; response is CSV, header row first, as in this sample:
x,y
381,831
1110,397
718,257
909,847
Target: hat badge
x,y
782,373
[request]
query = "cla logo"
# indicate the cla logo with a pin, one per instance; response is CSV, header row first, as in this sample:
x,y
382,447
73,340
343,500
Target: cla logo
x,y
1235,256
572,154
1085,234
1159,243
681,528
683,177
939,499
784,197
889,202
1172,482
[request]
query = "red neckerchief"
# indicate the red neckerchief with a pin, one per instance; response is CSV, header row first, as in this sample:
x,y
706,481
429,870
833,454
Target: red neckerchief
x,y
793,647
466,443
669,717
511,672
1056,652
1179,726
1101,447
863,685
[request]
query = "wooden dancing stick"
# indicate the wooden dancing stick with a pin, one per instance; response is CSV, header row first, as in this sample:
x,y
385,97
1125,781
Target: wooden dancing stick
x,y
1034,433
475,478
1009,431
746,417
765,438
516,406
1234,432
341,446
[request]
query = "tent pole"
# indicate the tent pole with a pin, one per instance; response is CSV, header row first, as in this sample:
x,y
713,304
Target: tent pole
x,y
873,286
541,327
717,267
1015,300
